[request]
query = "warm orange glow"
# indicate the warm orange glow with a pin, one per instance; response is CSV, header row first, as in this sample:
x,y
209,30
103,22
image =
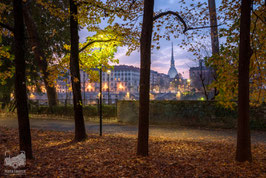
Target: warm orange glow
x,y
120,86
43,89
105,86
128,95
32,96
89,87
178,95
152,97
57,88
31,88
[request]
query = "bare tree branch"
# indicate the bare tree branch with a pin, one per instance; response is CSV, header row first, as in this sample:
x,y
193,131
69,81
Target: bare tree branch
x,y
132,3
263,21
172,13
195,28
186,28
6,27
95,41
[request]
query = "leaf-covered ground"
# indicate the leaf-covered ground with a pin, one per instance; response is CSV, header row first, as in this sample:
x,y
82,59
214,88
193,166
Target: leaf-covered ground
x,y
115,156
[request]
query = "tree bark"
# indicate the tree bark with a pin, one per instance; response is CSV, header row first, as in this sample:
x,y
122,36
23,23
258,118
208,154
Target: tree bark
x,y
214,27
80,132
214,36
20,81
40,57
145,56
243,152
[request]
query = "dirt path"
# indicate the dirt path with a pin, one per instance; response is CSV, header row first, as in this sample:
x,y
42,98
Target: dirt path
x,y
155,131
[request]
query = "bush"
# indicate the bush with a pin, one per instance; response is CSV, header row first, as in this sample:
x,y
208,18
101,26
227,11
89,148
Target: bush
x,y
88,111
190,113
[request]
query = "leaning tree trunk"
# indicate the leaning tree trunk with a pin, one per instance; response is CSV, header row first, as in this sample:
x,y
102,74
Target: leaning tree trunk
x,y
40,57
20,79
80,132
243,152
145,57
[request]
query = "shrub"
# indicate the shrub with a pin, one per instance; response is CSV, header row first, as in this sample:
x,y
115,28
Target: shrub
x,y
88,111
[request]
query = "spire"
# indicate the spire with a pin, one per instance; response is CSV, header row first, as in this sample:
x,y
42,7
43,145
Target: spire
x,y
172,71
172,57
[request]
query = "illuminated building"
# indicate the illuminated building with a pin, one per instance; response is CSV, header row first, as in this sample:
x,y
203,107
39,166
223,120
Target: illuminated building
x,y
172,70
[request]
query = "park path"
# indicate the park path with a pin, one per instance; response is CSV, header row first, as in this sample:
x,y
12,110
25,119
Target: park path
x,y
169,132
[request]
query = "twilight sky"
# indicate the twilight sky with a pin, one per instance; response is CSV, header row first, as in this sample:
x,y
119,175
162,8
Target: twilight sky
x,y
160,59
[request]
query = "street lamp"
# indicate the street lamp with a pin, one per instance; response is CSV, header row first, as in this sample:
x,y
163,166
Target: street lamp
x,y
100,102
178,95
188,81
84,89
108,90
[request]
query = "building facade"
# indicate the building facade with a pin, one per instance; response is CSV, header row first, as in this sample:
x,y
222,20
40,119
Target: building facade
x,y
122,82
200,74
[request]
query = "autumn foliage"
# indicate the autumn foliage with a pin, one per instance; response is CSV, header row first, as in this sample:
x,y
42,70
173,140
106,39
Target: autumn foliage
x,y
114,156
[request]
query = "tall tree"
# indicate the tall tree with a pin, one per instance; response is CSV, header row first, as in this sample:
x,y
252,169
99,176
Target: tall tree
x,y
227,62
243,152
145,57
214,36
40,57
20,81
80,132
214,27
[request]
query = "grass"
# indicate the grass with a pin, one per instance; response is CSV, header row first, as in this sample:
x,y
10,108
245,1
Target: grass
x,y
13,115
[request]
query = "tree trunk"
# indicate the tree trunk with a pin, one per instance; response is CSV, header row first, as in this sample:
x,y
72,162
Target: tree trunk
x,y
214,36
145,56
20,81
40,57
214,28
243,152
80,132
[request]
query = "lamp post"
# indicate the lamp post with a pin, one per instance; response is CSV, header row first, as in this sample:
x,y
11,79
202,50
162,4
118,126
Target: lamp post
x,y
188,81
108,90
100,102
84,89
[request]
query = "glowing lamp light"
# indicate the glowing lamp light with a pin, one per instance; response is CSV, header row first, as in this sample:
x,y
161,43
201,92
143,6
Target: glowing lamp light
x,y
178,95
105,86
32,96
43,89
108,72
120,86
128,95
89,87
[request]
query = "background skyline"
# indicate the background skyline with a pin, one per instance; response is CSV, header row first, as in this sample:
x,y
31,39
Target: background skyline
x,y
160,59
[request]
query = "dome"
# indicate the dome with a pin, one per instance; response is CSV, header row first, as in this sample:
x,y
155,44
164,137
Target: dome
x,y
172,72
